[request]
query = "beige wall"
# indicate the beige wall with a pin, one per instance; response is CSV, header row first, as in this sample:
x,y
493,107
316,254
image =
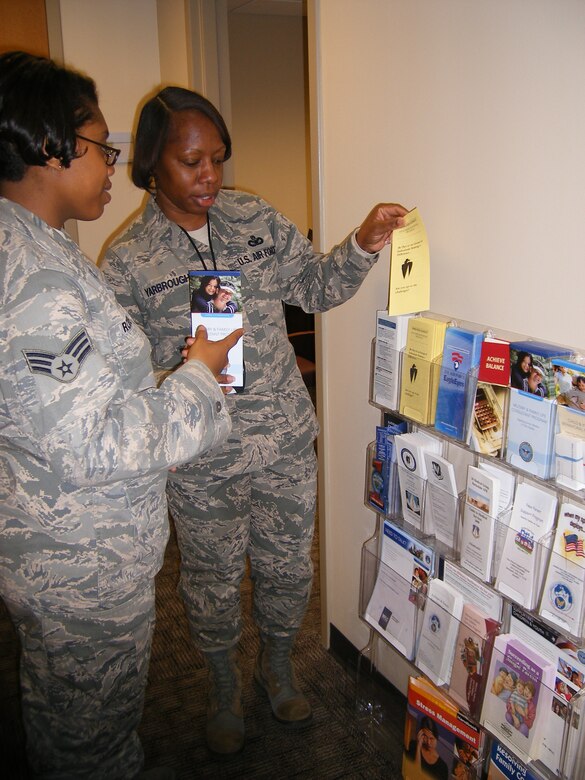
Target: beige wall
x,y
116,43
473,112
268,111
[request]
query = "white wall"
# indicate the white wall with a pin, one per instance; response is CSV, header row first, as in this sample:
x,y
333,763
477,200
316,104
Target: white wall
x,y
474,112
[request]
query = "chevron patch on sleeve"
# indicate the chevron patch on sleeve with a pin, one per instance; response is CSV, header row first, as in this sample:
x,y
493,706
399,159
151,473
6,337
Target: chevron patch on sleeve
x,y
63,366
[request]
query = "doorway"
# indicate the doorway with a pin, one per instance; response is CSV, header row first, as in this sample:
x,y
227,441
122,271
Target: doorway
x,y
270,127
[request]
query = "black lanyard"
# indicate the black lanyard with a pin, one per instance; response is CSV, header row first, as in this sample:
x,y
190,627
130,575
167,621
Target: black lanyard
x,y
194,245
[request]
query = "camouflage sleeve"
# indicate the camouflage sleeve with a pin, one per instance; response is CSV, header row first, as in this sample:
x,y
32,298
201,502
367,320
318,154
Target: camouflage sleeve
x,y
313,281
78,390
121,282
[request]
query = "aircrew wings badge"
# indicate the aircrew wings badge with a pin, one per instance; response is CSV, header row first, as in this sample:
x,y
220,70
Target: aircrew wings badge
x,y
64,366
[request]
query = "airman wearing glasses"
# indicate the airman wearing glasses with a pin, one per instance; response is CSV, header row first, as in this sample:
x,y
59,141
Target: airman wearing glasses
x,y
87,437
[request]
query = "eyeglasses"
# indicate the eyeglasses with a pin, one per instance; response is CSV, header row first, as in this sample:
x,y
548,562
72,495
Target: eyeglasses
x,y
111,154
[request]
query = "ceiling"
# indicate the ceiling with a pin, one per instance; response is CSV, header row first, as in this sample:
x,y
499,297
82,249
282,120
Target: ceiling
x,y
277,7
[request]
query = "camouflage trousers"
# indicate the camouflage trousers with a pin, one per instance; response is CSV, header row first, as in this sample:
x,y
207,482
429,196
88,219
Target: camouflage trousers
x,y
83,677
266,514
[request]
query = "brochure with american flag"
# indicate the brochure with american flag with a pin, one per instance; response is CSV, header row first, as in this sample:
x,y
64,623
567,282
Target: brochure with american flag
x,y
562,596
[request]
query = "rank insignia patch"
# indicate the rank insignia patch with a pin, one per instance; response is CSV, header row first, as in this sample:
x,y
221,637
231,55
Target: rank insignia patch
x,y
65,366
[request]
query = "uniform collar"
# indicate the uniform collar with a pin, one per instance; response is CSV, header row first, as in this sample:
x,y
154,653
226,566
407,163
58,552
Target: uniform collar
x,y
222,216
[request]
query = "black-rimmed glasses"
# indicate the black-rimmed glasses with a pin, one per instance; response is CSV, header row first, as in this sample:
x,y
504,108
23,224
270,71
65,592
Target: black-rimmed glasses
x,y
111,154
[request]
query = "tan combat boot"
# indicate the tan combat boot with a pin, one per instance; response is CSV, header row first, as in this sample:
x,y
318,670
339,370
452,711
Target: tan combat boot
x,y
274,673
225,717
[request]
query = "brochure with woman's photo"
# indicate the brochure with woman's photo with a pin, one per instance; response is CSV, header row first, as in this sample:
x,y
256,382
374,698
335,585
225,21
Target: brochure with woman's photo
x,y
216,303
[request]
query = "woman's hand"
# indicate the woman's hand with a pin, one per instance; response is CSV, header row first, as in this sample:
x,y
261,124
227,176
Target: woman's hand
x,y
377,228
212,353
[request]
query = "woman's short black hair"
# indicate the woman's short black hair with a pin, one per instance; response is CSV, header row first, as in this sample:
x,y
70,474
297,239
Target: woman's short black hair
x,y
42,106
153,129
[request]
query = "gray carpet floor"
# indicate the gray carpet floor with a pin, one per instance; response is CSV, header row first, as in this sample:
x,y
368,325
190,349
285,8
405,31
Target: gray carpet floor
x,y
335,745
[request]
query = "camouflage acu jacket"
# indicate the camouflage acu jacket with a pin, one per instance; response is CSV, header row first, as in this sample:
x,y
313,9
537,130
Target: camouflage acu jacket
x,y
85,436
148,265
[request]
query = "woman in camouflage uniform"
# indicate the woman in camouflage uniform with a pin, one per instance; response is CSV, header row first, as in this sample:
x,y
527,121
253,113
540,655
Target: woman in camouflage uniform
x,y
86,440
255,495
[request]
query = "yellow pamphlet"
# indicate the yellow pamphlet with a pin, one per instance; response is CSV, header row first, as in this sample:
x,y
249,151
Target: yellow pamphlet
x,y
421,368
410,268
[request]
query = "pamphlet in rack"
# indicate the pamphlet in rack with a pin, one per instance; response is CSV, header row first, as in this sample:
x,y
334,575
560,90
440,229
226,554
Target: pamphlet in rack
x,y
503,765
412,473
481,509
405,566
521,566
570,436
563,601
440,624
461,351
518,696
530,433
390,340
440,741
569,661
520,546
383,493
419,376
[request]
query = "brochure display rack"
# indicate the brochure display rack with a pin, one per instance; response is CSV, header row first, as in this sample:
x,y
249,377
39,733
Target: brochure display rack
x,y
476,571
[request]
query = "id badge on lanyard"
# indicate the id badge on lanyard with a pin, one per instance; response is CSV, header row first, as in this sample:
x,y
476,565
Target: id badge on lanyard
x,y
216,302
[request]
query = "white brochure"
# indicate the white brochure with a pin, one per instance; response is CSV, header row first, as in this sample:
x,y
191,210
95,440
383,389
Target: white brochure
x,y
520,571
404,570
441,503
440,626
412,473
477,536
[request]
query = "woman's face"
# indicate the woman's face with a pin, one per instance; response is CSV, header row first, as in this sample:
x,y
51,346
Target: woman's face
x,y
189,172
525,364
84,186
428,739
211,287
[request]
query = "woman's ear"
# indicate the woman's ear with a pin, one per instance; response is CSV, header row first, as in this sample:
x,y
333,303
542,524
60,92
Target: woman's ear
x,y
55,163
